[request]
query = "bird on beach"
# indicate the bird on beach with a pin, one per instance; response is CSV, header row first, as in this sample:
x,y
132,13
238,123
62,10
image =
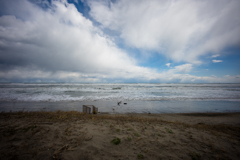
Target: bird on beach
x,y
113,109
119,102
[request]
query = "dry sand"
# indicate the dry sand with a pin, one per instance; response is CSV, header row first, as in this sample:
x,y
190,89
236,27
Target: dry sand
x,y
73,135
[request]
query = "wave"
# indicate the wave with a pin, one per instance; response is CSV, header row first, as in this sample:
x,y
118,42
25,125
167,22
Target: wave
x,y
58,98
118,92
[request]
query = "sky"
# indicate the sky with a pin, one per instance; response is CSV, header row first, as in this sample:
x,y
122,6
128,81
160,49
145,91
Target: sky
x,y
120,41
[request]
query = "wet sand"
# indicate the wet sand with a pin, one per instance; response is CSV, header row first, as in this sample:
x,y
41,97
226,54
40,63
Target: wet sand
x,y
74,135
113,107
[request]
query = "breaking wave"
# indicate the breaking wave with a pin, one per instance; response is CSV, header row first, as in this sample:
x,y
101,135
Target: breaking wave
x,y
117,92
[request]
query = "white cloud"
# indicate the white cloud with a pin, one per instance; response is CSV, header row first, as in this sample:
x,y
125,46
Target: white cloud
x,y
60,44
36,75
60,39
76,1
215,55
168,64
181,30
217,61
185,68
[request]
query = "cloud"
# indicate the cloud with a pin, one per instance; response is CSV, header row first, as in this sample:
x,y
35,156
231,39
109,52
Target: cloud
x,y
215,55
58,44
60,39
217,61
180,30
185,68
76,1
168,64
22,74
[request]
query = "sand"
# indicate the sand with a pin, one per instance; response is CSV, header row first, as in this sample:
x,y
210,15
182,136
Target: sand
x,y
73,135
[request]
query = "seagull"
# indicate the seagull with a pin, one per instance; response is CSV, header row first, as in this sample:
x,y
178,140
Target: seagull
x,y
119,102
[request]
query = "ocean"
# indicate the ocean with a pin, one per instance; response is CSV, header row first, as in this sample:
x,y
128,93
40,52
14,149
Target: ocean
x,y
134,98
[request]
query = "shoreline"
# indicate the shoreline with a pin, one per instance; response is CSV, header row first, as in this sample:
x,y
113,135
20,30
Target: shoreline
x,y
74,135
131,106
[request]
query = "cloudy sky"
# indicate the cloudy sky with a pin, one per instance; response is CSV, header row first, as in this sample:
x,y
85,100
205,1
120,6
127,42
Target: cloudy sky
x,y
152,41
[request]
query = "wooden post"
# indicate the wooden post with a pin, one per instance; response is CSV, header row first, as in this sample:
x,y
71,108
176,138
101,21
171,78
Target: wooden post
x,y
86,109
95,110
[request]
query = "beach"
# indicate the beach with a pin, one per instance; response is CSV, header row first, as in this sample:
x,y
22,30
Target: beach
x,y
75,135
119,80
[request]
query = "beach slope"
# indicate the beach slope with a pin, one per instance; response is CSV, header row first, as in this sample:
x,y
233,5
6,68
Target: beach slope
x,y
74,135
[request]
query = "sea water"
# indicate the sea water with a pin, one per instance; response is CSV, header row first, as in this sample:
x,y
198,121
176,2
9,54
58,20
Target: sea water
x,y
138,98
